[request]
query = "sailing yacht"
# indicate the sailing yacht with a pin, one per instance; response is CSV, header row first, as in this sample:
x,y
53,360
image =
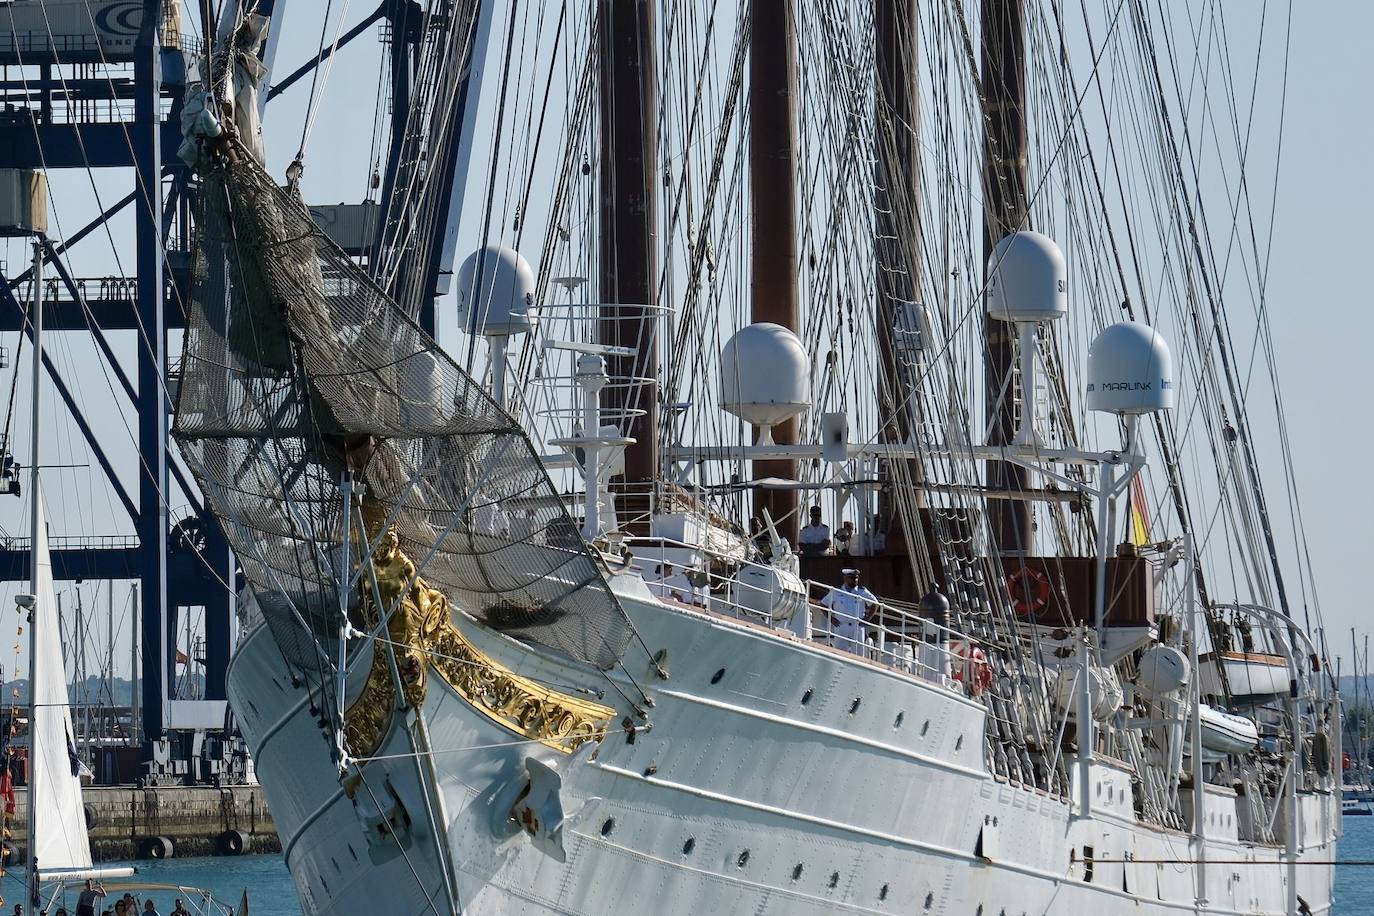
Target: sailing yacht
x,y
470,685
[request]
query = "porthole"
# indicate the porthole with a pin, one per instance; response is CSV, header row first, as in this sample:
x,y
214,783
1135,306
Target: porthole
x,y
806,697
608,826
854,707
930,900
882,894
797,871
925,727
720,673
688,846
897,722
834,879
959,742
743,859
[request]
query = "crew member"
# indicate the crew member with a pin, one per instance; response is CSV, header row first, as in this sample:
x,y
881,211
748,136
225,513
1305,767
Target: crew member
x,y
850,605
815,537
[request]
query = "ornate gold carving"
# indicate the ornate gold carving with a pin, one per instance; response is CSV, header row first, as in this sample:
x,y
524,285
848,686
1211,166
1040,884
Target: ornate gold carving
x,y
423,635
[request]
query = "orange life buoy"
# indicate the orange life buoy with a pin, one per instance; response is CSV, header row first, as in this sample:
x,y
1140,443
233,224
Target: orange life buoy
x,y
1029,589
971,667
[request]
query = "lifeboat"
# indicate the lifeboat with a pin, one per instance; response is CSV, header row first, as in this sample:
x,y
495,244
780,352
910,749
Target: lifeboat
x,y
1248,674
1224,734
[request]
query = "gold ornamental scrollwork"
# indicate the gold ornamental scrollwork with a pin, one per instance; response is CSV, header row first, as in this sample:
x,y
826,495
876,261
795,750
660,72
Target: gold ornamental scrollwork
x,y
423,636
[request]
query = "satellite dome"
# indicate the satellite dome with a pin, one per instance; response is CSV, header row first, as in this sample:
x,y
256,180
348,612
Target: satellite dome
x,y
1130,370
765,375
496,293
1027,280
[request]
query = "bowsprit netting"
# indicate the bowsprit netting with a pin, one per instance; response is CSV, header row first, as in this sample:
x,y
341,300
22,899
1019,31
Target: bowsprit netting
x,y
296,368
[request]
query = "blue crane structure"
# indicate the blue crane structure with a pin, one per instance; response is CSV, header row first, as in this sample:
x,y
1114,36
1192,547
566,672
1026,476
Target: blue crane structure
x,y
109,96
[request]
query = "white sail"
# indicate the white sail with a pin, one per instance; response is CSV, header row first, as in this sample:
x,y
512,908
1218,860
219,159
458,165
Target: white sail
x,y
61,843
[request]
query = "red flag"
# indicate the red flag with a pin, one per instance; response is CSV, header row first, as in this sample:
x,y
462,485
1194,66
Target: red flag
x,y
7,791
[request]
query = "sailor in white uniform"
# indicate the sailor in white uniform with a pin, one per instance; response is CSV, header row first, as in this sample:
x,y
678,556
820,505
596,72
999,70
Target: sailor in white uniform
x,y
849,605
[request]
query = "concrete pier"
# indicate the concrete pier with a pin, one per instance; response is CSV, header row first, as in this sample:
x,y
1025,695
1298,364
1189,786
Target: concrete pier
x,y
126,822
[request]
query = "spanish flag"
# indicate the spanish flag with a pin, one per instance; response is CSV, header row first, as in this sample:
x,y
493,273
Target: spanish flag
x,y
1140,513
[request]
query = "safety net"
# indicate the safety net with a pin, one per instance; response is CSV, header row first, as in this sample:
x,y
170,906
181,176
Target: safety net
x,y
297,368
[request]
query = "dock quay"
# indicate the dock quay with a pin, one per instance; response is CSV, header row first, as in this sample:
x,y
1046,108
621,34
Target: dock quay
x,y
128,822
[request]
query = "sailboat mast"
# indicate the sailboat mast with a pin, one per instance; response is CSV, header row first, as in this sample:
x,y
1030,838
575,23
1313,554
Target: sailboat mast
x,y
896,199
1004,211
35,495
629,267
773,224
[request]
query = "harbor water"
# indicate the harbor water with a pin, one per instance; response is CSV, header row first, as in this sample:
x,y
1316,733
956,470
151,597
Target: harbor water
x,y
272,893
270,889
1355,883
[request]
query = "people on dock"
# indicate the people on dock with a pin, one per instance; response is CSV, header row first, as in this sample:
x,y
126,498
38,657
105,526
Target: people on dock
x,y
850,604
86,902
814,539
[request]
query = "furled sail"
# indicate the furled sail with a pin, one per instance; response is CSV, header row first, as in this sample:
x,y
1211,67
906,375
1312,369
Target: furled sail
x,y
297,368
61,843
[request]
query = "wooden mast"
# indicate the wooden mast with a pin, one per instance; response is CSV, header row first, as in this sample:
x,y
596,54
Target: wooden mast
x,y
896,197
1004,211
629,266
773,210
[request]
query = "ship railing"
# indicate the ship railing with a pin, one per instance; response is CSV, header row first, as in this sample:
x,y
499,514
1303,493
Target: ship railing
x,y
895,637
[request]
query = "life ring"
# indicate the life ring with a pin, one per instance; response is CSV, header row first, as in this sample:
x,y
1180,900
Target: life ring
x,y
1029,589
971,658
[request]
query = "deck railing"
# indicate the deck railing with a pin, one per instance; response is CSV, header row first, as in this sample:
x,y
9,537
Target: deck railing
x,y
896,637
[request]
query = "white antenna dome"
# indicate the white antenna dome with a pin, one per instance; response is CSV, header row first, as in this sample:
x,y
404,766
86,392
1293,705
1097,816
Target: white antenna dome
x,y
1130,370
1027,280
765,375
496,293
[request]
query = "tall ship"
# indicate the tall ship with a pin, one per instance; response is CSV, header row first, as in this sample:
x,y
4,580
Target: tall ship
x,y
838,493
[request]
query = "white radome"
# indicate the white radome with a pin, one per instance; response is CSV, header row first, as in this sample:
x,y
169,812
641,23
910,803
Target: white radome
x,y
1130,370
1027,279
765,375
496,293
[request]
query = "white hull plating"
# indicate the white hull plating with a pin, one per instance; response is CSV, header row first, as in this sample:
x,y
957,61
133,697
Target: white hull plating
x,y
778,777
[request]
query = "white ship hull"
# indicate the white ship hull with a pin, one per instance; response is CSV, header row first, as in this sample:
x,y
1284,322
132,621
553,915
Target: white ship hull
x,y
872,796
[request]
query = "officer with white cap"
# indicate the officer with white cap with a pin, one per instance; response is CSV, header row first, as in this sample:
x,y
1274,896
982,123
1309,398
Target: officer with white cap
x,y
849,605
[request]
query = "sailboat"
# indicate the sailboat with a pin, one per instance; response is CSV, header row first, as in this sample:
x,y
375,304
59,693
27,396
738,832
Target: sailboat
x,y
472,677
58,842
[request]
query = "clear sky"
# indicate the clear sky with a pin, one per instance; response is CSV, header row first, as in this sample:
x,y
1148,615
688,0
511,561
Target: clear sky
x,y
1319,307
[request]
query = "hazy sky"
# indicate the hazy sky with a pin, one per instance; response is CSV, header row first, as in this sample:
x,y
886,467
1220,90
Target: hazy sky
x,y
1320,310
